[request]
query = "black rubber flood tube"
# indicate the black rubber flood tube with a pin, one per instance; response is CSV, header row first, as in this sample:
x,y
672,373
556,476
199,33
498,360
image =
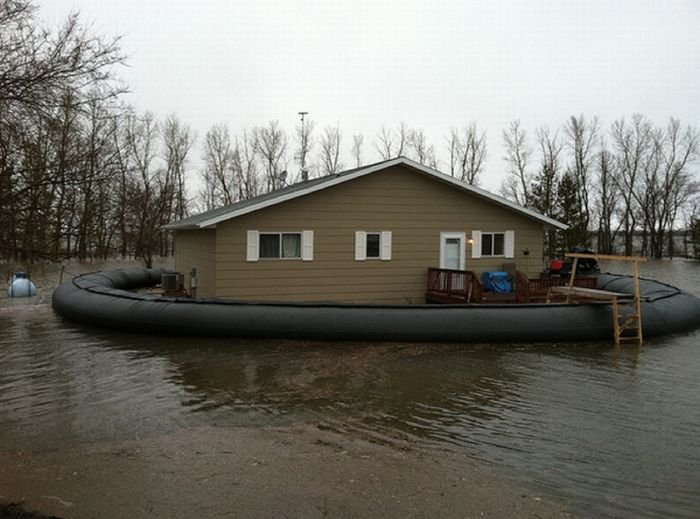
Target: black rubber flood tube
x,y
104,299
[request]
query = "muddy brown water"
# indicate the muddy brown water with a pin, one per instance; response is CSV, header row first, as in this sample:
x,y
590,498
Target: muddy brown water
x,y
602,431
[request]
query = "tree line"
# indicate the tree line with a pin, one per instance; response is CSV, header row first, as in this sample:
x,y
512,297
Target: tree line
x,y
631,185
83,175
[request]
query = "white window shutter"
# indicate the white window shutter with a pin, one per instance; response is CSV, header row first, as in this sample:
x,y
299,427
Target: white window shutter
x,y
252,246
509,244
307,246
360,246
476,244
385,243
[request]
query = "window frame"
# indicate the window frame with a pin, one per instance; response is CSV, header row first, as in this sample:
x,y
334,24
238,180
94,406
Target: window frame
x,y
385,245
378,234
280,250
493,235
508,244
253,245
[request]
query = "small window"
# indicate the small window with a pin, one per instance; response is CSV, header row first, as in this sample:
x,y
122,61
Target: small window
x,y
373,241
280,245
372,245
492,244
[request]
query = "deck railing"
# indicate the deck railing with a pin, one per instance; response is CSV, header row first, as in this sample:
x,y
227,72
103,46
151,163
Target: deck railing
x,y
449,285
464,286
535,290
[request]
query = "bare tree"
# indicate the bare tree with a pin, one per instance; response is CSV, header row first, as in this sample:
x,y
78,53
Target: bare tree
x,y
453,149
38,65
680,150
422,151
403,139
581,137
545,184
470,153
98,209
385,143
271,148
330,150
218,174
357,142
392,144
50,85
245,166
142,201
177,142
632,144
516,186
606,191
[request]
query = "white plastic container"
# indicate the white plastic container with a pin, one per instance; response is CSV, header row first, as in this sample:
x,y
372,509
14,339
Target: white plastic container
x,y
21,286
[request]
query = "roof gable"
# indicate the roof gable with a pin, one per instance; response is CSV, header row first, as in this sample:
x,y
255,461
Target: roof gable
x,y
210,219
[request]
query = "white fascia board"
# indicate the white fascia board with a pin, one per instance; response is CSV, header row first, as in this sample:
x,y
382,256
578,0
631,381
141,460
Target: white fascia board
x,y
175,227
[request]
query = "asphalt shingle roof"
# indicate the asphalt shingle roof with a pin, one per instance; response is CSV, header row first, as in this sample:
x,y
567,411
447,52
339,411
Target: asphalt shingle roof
x,y
210,218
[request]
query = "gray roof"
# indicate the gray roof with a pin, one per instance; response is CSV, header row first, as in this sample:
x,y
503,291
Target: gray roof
x,y
209,219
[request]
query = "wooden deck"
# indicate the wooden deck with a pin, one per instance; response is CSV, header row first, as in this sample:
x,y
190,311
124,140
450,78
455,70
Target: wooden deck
x,y
464,287
449,286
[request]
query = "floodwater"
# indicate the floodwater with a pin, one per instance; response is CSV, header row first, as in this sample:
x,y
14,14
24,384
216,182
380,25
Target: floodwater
x,y
603,431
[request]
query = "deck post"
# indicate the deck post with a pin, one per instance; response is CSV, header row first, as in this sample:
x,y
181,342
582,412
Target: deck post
x,y
616,321
638,302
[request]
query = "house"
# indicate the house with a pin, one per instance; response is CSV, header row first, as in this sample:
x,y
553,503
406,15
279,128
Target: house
x,y
366,235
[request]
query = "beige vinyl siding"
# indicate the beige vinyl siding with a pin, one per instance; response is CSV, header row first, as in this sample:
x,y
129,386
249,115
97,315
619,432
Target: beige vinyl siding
x,y
416,209
197,249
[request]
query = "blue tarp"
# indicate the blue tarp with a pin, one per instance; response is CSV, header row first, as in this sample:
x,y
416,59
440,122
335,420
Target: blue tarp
x,y
496,282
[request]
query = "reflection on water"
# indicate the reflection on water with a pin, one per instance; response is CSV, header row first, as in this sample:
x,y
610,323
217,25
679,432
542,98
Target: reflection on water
x,y
608,431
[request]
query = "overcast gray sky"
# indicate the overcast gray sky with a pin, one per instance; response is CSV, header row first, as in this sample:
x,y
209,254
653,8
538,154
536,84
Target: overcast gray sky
x,y
433,64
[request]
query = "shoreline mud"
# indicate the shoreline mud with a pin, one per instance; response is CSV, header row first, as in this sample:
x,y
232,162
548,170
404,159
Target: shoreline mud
x,y
299,471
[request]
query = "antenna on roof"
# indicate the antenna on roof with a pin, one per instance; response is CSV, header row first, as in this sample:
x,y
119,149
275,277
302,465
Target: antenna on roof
x,y
304,137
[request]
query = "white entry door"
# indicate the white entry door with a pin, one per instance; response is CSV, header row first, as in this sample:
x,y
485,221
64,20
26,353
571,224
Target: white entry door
x,y
452,250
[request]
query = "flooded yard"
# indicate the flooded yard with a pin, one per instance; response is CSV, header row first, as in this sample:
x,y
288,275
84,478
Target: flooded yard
x,y
582,427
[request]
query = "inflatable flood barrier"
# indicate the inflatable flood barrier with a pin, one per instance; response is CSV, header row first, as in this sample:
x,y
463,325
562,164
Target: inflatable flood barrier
x,y
105,299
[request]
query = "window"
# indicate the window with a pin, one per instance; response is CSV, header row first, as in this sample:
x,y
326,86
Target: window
x,y
280,245
492,243
372,245
373,239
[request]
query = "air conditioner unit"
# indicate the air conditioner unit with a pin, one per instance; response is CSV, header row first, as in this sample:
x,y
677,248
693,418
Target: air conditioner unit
x,y
171,282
